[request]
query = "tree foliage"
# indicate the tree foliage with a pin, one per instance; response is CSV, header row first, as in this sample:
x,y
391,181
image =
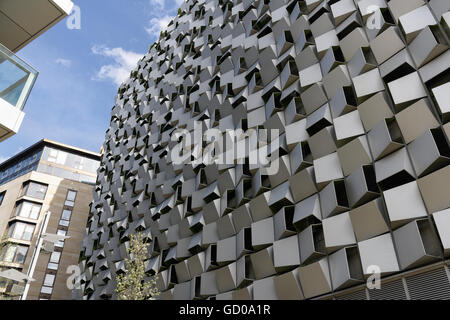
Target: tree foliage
x,y
132,284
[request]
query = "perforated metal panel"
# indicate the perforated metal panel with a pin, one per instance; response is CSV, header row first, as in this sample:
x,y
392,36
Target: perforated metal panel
x,y
431,285
393,290
357,295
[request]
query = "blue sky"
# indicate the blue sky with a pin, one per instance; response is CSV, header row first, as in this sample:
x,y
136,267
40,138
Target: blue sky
x,y
80,70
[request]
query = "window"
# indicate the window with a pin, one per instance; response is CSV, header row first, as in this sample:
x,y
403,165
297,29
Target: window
x,y
13,253
47,286
21,254
70,198
78,162
60,243
4,283
27,209
66,214
75,176
72,165
63,173
49,280
2,196
65,217
61,158
3,252
54,258
47,290
54,261
52,155
87,179
64,223
21,231
71,195
52,266
20,167
34,190
57,156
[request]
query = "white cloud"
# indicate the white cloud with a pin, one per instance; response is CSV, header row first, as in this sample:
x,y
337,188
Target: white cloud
x,y
3,159
158,3
161,4
64,62
158,24
124,62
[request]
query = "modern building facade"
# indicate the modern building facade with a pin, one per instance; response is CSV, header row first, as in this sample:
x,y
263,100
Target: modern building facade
x,y
21,21
47,177
358,91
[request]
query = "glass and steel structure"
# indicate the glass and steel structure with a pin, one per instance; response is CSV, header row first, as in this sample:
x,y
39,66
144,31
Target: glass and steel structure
x,y
51,158
16,79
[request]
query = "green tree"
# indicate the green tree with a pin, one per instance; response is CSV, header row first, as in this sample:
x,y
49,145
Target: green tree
x,y
131,285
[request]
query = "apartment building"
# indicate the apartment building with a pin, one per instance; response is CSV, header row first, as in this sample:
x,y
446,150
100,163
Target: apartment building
x,y
45,190
21,21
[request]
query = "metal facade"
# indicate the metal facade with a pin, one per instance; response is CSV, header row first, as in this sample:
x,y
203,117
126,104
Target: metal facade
x,y
359,93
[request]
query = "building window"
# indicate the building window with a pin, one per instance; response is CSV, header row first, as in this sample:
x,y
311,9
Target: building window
x,y
66,214
2,196
3,253
67,211
52,266
13,253
20,168
54,258
60,243
27,209
72,163
65,217
49,280
34,190
4,283
70,198
64,223
78,162
57,156
47,290
21,231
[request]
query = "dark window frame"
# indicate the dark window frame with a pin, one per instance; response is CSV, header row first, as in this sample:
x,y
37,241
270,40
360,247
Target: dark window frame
x,y
74,199
26,186
13,226
2,196
5,249
20,203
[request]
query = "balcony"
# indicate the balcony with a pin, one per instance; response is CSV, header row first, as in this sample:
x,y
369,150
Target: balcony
x,y
16,81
